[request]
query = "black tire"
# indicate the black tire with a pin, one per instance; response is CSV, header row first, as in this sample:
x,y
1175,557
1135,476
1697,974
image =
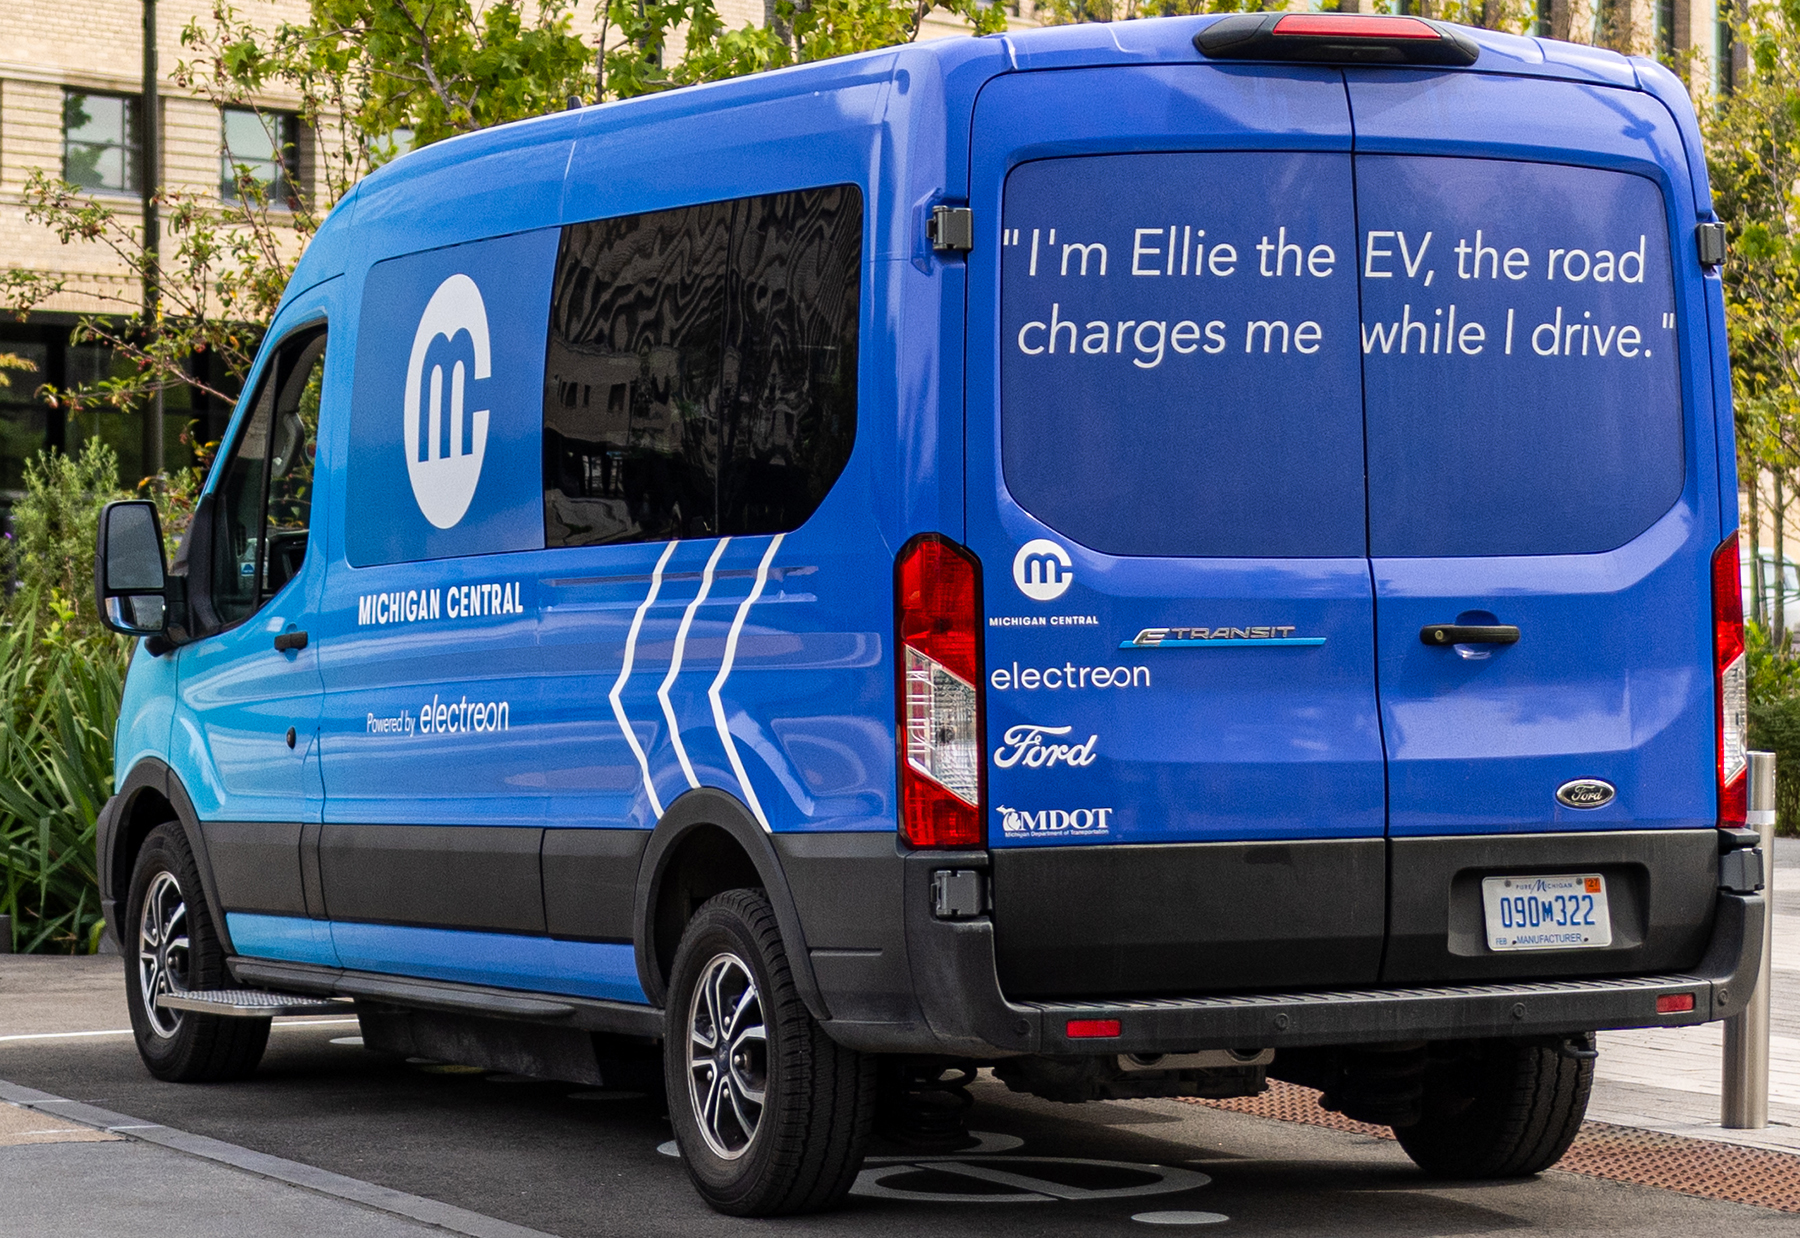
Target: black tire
x,y
1499,1108
806,1140
180,1046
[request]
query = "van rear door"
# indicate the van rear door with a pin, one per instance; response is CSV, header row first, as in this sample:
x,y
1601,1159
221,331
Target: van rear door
x,y
1529,349
1165,488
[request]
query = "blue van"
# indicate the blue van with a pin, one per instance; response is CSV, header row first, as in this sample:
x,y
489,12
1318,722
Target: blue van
x,y
994,553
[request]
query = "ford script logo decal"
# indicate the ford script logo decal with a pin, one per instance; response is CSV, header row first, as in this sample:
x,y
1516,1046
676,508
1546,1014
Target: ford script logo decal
x,y
1585,793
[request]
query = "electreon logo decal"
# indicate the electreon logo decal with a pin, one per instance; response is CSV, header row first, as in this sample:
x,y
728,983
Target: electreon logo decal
x,y
1043,570
445,442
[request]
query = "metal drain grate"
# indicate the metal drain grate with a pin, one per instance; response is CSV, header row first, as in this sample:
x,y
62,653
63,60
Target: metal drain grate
x,y
1698,1167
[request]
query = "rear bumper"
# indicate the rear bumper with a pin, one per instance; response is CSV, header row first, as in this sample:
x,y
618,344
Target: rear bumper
x,y
965,1012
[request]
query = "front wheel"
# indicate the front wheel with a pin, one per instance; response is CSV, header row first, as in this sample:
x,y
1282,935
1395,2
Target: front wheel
x,y
177,950
1500,1108
771,1115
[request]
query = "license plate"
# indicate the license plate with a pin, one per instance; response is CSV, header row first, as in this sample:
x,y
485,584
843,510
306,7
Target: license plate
x,y
1546,913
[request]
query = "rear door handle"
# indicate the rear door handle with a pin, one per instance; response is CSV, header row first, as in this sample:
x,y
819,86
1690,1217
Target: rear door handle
x,y
297,640
1469,634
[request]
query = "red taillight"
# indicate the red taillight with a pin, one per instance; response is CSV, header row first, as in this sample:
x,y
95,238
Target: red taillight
x,y
1354,26
1092,1029
937,589
1731,684
1675,1003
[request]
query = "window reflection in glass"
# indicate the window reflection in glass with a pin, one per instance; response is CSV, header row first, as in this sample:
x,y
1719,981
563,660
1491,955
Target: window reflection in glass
x,y
257,157
700,372
100,141
263,503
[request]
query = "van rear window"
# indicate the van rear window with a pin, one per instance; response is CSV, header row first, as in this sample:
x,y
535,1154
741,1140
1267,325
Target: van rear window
x,y
1178,373
1520,357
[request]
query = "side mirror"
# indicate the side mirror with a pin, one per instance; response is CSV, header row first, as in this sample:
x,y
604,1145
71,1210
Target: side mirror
x,y
131,579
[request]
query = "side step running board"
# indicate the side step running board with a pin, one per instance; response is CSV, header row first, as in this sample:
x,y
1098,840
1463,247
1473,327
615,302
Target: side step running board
x,y
252,1003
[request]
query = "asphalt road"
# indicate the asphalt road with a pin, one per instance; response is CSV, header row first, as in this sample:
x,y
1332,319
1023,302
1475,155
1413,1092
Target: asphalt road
x,y
567,1161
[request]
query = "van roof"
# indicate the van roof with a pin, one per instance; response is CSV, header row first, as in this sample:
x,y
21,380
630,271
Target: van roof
x,y
959,67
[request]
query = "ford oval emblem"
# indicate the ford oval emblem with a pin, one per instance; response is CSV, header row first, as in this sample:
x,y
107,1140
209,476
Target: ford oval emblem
x,y
1585,793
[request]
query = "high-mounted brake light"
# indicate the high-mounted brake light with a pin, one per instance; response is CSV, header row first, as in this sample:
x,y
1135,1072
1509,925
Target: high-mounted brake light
x,y
1336,38
1353,26
937,602
1731,684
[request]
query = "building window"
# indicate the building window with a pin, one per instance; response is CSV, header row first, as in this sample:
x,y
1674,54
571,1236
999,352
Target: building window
x,y
100,141
259,148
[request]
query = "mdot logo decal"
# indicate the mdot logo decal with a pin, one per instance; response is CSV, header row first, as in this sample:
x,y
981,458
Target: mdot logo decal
x,y
445,442
447,403
1043,570
1081,822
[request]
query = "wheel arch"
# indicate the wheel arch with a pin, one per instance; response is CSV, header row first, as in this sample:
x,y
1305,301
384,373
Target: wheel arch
x,y
707,842
151,795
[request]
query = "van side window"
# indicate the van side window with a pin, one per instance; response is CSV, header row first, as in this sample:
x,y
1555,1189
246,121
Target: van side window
x,y
700,371
790,356
631,389
263,507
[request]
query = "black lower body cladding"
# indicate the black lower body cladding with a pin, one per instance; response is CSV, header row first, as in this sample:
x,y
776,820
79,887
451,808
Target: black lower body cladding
x,y
1661,886
1148,921
1183,918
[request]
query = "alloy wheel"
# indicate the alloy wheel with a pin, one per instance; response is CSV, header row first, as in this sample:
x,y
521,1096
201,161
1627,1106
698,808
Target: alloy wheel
x,y
163,951
727,1056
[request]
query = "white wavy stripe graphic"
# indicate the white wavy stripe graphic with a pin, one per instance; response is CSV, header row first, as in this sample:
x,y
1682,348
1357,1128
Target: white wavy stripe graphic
x,y
618,691
718,705
681,635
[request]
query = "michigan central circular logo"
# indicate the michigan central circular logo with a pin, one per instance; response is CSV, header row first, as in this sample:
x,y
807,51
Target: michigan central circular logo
x,y
445,441
1042,570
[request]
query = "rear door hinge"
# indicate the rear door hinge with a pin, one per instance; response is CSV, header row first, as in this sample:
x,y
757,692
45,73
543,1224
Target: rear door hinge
x,y
951,228
1709,241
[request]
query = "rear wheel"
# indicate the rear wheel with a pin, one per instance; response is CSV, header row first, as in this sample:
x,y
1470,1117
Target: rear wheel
x,y
1499,1108
770,1113
177,949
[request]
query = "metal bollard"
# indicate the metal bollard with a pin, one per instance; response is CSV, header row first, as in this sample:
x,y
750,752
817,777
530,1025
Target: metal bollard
x,y
5,934
1746,1090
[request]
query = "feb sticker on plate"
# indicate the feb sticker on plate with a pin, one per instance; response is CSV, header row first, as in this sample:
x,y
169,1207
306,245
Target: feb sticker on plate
x,y
1546,913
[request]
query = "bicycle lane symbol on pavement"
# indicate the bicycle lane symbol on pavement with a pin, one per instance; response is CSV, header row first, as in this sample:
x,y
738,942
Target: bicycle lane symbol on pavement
x,y
1026,1179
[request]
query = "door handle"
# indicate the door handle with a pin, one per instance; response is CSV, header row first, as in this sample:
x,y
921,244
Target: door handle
x,y
1469,634
290,640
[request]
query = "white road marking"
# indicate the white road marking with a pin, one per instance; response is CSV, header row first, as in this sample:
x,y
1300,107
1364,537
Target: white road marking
x,y
718,705
681,635
125,1031
1028,1188
618,705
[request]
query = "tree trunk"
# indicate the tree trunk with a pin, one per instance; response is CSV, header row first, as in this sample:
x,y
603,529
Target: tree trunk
x,y
1779,512
1759,610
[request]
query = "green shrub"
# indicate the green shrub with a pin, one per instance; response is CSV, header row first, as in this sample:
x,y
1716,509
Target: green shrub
x,y
61,678
1775,720
50,551
1775,727
59,698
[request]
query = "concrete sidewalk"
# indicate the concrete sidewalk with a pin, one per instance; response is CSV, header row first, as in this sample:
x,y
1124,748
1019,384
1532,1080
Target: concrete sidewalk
x,y
1669,1079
